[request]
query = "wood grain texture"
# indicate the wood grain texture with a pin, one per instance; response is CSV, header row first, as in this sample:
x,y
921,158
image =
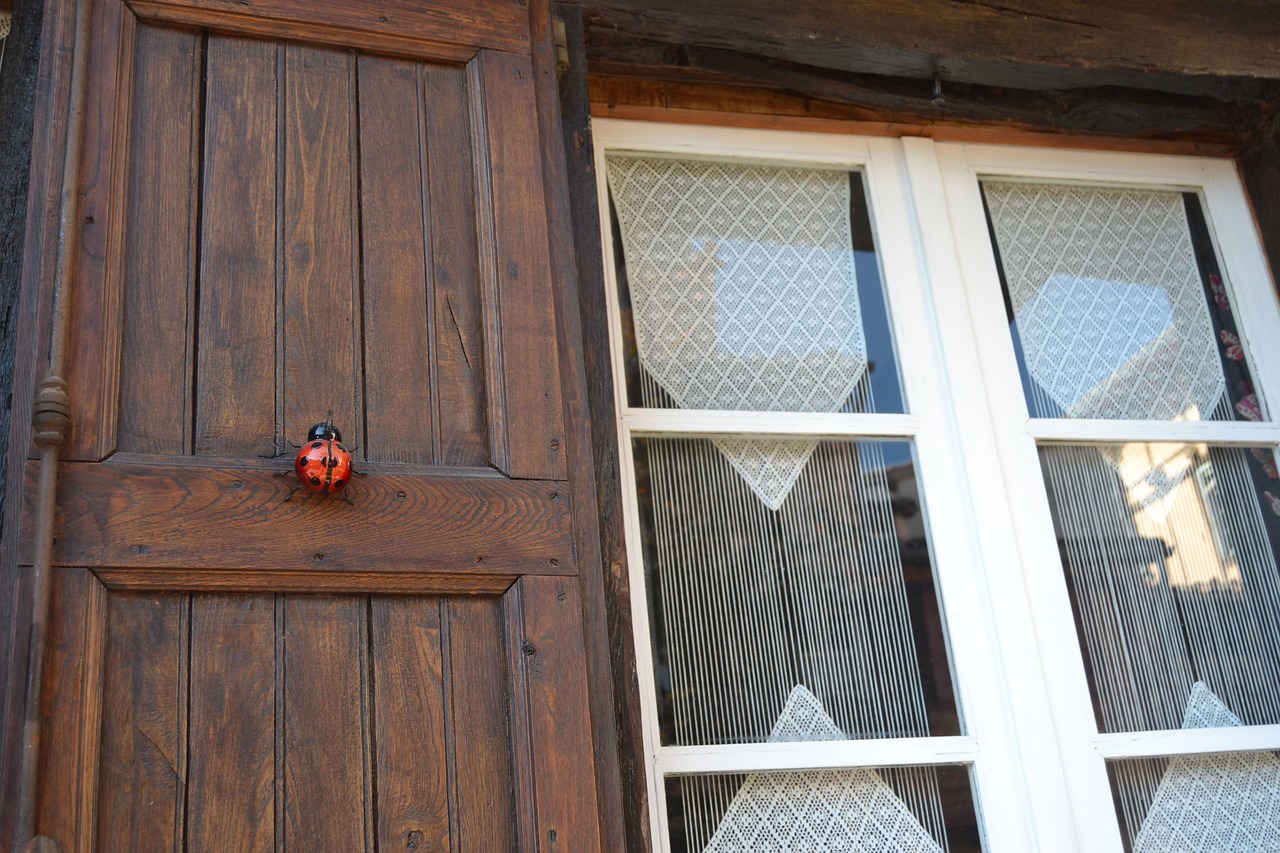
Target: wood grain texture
x,y
93,335
214,518
326,725
385,583
526,418
235,407
399,356
142,777
479,702
321,265
620,712
447,29
458,365
230,796
159,254
559,747
407,672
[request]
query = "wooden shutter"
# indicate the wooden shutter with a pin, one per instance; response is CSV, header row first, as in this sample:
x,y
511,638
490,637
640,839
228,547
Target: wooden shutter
x,y
286,209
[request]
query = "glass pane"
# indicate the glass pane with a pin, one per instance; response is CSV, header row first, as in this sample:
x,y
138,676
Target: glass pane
x,y
816,619
870,809
1117,305
1170,557
749,287
1227,803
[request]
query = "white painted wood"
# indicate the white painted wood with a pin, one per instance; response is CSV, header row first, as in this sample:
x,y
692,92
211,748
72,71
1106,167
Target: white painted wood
x,y
815,755
709,422
1187,742
1238,433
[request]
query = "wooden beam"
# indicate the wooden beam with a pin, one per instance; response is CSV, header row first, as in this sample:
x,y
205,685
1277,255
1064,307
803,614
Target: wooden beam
x,y
232,518
1191,47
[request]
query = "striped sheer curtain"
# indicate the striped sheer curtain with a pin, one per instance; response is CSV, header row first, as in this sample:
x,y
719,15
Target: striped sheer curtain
x,y
788,577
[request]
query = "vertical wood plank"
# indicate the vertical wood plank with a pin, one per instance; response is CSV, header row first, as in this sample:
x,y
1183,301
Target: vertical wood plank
x,y
326,724
484,803
409,701
231,797
320,263
557,754
398,352
525,416
141,778
93,336
236,359
159,264
458,353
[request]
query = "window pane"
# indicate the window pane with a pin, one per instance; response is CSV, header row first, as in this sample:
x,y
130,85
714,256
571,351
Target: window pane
x,y
1116,304
887,808
1170,560
823,607
749,287
1228,803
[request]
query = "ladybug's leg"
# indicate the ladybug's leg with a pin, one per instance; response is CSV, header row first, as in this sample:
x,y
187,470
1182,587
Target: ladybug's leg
x,y
292,491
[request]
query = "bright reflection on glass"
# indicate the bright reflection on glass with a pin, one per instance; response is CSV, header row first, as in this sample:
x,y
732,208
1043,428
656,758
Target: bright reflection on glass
x,y
1171,561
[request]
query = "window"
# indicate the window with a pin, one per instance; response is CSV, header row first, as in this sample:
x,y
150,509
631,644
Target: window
x,y
951,492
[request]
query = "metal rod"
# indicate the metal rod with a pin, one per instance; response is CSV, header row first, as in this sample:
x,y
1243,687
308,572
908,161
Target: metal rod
x,y
51,421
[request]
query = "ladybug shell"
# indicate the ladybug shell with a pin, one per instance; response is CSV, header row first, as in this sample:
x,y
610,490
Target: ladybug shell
x,y
323,466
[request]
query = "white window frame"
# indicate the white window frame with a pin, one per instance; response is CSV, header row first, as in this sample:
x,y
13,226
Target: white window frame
x,y
1038,762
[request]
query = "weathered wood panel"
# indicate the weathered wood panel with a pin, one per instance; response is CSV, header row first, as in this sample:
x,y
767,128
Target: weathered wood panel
x,y
159,256
320,327
217,518
327,783
235,406
450,29
526,417
142,778
231,796
411,732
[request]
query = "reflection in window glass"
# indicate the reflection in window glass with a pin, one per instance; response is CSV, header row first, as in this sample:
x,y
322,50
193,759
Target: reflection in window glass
x,y
749,287
1117,305
1171,562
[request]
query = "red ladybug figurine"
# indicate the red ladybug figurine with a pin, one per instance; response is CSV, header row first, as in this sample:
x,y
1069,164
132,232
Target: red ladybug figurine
x,y
323,464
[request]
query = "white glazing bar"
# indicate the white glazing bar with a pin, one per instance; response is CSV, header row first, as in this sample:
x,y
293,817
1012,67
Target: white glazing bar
x,y
1187,742
747,758
1239,433
656,422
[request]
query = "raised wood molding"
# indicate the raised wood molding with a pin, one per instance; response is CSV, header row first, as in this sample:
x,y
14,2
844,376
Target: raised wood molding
x,y
372,583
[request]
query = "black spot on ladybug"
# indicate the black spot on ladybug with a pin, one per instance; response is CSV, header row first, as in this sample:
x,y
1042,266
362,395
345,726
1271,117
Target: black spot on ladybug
x,y
317,445
315,481
338,484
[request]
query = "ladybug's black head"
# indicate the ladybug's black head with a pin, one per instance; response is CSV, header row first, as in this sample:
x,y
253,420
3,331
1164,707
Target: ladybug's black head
x,y
325,431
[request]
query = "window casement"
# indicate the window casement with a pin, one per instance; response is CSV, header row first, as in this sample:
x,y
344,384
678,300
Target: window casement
x,y
950,489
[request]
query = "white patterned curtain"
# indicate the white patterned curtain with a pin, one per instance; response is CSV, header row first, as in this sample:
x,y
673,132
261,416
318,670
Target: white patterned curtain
x,y
743,295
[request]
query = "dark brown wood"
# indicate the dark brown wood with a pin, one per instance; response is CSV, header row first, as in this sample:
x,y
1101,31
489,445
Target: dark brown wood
x,y
411,738
597,409
218,518
236,405
160,260
548,638
20,136
526,418
480,708
398,351
231,788
450,29
1181,46
327,787
320,326
142,777
93,337
458,364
